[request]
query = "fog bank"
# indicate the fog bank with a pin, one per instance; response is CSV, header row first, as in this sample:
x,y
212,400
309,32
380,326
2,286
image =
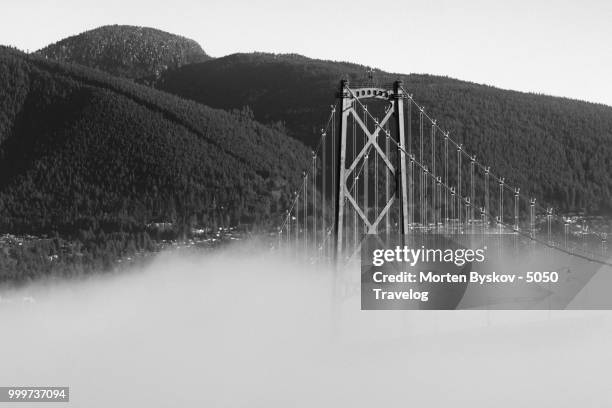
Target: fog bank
x,y
242,328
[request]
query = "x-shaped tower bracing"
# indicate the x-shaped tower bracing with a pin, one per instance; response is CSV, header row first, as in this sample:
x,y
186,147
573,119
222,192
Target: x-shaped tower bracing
x,y
349,99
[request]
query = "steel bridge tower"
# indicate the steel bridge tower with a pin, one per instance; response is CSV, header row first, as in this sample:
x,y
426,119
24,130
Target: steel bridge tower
x,y
349,97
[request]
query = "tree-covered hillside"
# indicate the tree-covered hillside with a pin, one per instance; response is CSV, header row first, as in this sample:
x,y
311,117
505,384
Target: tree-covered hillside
x,y
80,150
139,53
556,149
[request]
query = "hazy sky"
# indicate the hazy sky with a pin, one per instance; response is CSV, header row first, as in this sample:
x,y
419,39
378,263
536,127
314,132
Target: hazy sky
x,y
557,47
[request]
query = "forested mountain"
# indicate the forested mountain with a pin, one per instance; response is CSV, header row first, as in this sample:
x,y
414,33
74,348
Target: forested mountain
x,y
556,149
83,153
139,53
92,161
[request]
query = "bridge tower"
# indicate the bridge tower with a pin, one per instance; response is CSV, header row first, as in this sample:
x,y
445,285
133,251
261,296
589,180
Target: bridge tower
x,y
349,98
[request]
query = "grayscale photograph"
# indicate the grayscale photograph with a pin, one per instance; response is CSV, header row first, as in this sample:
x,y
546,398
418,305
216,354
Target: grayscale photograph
x,y
305,204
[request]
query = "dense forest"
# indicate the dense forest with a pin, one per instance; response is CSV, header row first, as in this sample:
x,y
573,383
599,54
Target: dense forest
x,y
139,53
84,155
558,150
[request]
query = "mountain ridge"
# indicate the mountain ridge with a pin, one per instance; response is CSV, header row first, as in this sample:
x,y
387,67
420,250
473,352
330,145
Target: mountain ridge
x,y
139,53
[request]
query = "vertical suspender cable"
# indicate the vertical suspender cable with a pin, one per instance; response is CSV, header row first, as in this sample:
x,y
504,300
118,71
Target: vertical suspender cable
x,y
411,184
516,209
459,153
288,227
425,204
472,188
532,203
324,190
467,212
387,195
365,171
297,220
353,175
376,175
501,204
452,206
314,202
305,215
446,177
565,231
421,174
333,169
433,171
549,221
439,186
366,183
486,186
398,189
483,223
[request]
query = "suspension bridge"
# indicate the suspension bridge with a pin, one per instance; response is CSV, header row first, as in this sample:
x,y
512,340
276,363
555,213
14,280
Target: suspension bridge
x,y
384,166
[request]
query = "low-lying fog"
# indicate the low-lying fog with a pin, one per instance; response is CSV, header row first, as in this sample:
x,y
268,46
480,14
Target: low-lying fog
x,y
243,328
